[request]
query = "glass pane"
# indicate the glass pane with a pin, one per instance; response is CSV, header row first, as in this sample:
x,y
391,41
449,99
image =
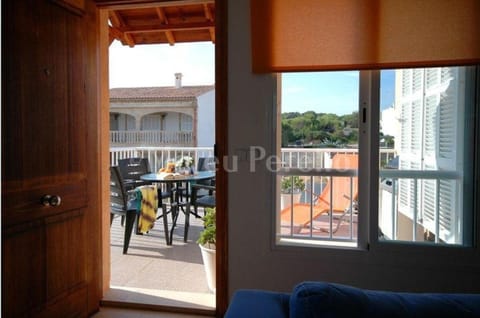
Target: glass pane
x,y
317,182
425,155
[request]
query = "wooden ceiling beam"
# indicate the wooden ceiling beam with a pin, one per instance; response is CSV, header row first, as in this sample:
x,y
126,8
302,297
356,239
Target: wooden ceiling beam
x,y
209,16
115,33
118,23
212,34
122,4
208,13
169,27
164,20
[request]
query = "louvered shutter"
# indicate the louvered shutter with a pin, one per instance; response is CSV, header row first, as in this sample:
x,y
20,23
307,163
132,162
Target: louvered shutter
x,y
442,137
411,117
431,115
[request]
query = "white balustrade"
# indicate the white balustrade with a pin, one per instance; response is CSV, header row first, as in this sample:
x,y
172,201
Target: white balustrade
x,y
151,138
301,158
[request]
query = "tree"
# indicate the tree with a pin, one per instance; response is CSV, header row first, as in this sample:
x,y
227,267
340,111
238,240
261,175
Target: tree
x,y
319,128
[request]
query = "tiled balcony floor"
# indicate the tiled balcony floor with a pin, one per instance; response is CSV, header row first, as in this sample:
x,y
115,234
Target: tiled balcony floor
x,y
156,274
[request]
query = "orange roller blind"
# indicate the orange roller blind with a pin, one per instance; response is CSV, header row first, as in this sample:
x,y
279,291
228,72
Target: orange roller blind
x,y
298,35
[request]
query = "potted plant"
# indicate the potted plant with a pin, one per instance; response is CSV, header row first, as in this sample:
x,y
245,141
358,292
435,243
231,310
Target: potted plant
x,y
206,241
291,186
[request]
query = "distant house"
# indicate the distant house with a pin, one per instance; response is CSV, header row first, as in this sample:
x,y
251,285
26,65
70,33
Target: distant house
x,y
163,116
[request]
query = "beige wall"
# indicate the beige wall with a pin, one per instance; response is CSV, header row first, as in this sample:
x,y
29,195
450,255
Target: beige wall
x,y
254,261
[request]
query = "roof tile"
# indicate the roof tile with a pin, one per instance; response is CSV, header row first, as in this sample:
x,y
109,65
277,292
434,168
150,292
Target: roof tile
x,y
158,93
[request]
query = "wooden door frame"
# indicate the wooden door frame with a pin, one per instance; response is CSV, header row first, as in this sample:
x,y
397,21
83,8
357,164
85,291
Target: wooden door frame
x,y
221,149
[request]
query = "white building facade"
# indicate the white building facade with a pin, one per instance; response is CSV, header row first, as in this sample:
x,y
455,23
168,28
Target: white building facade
x,y
163,116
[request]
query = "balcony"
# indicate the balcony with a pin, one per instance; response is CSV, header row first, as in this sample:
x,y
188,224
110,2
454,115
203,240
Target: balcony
x,y
130,138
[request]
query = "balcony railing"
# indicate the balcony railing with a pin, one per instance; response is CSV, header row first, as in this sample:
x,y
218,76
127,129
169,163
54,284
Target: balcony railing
x,y
314,166
327,224
311,158
427,200
158,156
305,158
151,138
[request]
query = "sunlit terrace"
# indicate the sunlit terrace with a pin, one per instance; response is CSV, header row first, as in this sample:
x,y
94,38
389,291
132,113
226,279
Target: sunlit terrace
x,y
173,275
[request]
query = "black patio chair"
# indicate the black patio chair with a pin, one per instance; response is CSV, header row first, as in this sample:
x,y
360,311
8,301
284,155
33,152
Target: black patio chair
x,y
201,188
131,170
122,205
206,164
204,201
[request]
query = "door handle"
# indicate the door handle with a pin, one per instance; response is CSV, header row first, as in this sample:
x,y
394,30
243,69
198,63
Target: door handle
x,y
51,200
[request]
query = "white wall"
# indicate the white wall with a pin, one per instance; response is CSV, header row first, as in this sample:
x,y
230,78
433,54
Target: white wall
x,y
206,120
253,260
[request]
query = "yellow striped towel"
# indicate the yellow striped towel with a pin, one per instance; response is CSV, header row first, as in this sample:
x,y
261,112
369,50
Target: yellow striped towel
x,y
148,208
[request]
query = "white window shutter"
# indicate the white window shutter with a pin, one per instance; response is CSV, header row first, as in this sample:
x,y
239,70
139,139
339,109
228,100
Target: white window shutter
x,y
431,131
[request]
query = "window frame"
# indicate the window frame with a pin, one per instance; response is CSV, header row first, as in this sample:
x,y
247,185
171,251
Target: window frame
x,y
369,171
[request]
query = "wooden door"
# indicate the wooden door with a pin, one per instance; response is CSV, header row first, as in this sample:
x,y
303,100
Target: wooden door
x,y
46,62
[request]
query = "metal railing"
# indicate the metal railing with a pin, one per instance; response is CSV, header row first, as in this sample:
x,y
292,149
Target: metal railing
x,y
316,180
305,158
311,158
422,209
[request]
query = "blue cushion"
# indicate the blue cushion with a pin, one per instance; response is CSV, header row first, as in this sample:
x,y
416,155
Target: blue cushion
x,y
319,299
258,304
208,200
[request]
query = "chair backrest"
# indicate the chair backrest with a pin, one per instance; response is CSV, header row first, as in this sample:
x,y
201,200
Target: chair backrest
x,y
206,164
344,189
133,168
118,197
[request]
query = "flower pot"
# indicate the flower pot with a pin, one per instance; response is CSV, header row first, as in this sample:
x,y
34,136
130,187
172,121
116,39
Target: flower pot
x,y
286,199
208,256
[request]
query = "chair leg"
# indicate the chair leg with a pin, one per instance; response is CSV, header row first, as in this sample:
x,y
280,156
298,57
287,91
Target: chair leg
x,y
187,222
130,220
123,220
175,211
195,211
112,216
165,223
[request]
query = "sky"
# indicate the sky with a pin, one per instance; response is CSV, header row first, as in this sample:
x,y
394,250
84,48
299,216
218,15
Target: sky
x,y
330,92
156,64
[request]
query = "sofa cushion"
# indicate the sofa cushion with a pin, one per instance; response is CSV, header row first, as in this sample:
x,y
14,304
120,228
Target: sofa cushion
x,y
258,304
319,299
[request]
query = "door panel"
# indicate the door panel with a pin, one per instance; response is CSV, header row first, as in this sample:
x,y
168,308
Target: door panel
x,y
25,205
65,264
44,134
25,283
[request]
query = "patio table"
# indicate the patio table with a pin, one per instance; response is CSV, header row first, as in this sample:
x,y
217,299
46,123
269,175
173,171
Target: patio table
x,y
177,204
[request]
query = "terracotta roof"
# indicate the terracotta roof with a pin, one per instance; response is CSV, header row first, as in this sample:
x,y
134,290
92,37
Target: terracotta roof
x,y
158,93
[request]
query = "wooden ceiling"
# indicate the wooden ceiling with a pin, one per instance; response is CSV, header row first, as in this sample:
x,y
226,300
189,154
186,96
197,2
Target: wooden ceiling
x,y
163,22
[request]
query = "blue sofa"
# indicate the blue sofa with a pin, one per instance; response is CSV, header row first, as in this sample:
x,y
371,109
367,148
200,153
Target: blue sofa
x,y
319,299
